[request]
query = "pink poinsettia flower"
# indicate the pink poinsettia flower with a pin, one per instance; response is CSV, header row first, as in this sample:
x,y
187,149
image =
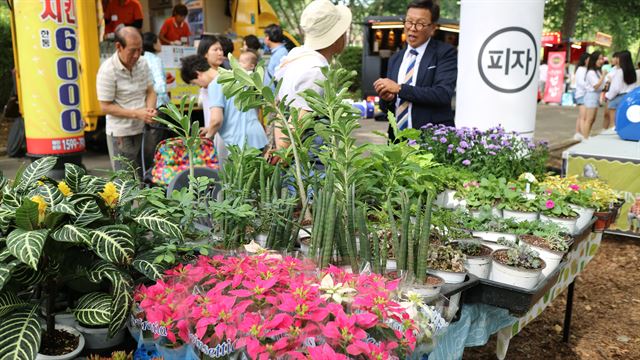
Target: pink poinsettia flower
x,y
550,204
343,329
325,352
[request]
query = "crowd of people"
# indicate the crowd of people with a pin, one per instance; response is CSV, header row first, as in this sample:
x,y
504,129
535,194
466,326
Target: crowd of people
x,y
596,85
132,84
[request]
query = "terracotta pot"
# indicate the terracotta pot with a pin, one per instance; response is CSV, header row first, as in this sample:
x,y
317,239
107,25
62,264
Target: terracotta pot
x,y
602,221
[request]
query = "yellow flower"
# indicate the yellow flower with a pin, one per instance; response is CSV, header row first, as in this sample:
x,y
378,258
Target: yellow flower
x,y
110,194
42,206
64,188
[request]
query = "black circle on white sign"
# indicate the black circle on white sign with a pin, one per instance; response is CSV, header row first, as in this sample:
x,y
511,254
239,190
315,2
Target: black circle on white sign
x,y
508,59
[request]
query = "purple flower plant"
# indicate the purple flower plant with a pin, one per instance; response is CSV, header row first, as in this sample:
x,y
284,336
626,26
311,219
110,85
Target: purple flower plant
x,y
466,162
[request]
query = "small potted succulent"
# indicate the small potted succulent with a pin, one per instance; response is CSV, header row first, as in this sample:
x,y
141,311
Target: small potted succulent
x,y
478,256
556,209
519,265
447,262
519,206
549,240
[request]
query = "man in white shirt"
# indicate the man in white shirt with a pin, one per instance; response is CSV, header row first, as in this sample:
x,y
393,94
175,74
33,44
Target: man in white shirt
x,y
325,26
126,95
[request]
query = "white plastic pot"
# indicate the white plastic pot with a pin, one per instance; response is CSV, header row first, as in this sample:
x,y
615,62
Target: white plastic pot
x,y
98,338
519,216
68,356
66,318
449,277
584,216
427,291
568,224
446,199
261,239
551,258
509,275
479,266
494,236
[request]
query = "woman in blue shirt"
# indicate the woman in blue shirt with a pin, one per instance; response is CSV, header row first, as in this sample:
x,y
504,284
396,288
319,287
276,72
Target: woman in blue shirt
x,y
154,134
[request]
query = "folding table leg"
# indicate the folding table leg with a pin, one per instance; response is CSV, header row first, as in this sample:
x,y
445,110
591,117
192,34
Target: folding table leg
x,y
567,313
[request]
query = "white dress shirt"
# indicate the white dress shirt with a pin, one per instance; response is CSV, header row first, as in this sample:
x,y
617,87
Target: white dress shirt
x,y
403,71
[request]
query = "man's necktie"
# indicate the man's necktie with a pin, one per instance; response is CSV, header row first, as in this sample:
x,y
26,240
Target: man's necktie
x,y
402,111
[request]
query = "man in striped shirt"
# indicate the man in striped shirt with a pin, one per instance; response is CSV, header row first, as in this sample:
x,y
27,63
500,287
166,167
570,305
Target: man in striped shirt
x,y
125,92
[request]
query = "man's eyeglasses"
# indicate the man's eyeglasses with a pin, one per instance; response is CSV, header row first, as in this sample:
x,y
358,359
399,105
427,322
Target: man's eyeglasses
x,y
418,25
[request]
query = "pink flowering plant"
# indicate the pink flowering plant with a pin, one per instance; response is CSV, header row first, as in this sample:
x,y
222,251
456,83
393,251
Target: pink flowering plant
x,y
554,204
274,307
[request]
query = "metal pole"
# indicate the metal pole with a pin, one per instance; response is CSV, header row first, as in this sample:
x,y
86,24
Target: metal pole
x,y
567,313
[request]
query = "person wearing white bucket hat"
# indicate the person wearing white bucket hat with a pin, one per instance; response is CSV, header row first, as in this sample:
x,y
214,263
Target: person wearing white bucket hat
x,y
325,27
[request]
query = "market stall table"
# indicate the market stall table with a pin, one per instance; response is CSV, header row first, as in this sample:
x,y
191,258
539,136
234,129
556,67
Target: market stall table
x,y
479,321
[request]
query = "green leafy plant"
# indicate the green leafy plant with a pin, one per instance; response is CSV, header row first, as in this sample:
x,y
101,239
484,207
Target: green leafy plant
x,y
83,227
446,258
470,247
486,193
551,233
517,200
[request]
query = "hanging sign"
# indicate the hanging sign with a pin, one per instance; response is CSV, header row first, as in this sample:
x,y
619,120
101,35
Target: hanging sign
x,y
555,77
48,64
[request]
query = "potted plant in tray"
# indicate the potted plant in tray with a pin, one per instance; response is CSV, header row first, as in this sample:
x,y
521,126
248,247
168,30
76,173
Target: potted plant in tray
x,y
447,262
55,231
482,198
518,265
477,256
548,239
556,209
518,205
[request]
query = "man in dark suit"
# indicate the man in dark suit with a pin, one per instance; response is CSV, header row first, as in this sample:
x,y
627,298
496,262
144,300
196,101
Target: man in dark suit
x,y
421,78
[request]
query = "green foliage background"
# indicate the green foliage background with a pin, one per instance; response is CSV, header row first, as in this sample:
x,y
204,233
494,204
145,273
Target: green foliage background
x,y
6,60
351,59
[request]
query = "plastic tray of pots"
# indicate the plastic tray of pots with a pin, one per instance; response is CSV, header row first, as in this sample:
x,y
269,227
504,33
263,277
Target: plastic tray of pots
x,y
515,299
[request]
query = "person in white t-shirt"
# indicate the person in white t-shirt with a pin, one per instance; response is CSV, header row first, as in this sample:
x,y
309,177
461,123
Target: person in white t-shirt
x,y
325,26
624,80
578,96
542,80
608,120
594,83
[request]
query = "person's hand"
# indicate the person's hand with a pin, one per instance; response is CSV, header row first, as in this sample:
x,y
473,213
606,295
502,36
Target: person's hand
x,y
176,42
206,132
387,96
386,86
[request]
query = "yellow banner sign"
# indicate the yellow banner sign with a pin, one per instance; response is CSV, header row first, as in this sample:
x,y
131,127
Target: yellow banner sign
x,y
48,63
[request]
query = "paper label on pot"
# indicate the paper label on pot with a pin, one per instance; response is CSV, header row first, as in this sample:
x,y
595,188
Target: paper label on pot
x,y
154,327
217,351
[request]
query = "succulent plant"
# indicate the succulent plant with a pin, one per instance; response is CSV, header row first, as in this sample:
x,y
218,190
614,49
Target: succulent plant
x,y
521,255
446,258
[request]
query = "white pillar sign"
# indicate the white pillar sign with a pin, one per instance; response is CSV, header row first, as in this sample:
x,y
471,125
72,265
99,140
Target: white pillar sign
x,y
498,64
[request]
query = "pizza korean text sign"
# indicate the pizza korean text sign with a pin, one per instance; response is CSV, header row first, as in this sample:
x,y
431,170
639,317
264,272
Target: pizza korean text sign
x,y
48,63
505,67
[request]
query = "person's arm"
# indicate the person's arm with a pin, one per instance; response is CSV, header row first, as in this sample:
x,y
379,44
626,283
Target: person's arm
x,y
593,83
151,99
444,83
158,76
216,119
111,108
162,35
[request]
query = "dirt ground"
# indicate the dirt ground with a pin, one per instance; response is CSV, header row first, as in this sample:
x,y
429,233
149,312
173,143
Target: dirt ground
x,y
606,313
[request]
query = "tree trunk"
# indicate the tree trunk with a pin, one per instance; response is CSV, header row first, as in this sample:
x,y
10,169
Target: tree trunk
x,y
570,18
